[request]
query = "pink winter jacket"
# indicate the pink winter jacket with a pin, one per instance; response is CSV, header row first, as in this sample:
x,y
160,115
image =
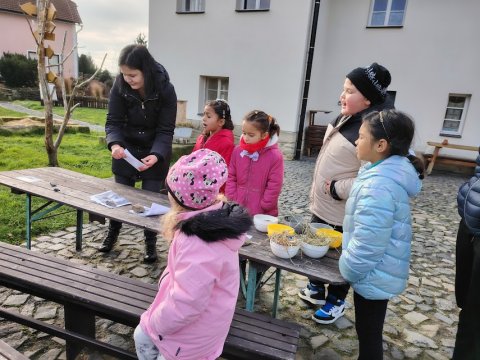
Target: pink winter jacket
x,y
256,184
197,293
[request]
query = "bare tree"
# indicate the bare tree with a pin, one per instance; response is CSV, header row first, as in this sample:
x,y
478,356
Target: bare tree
x,y
45,14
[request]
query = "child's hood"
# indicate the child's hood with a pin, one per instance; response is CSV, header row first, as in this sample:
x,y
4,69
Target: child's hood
x,y
397,168
224,221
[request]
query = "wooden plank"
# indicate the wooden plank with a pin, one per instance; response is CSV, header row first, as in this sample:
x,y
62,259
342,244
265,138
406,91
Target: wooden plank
x,y
9,353
453,146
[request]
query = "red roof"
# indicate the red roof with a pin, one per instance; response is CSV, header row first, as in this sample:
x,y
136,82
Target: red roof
x,y
66,9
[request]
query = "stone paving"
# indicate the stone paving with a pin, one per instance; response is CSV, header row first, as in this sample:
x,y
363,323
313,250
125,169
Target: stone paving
x,y
421,323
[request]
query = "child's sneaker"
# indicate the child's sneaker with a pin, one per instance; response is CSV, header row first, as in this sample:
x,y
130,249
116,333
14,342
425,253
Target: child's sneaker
x,y
330,312
313,294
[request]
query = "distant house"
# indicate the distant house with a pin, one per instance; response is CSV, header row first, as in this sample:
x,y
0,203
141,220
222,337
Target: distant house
x,y
17,37
258,53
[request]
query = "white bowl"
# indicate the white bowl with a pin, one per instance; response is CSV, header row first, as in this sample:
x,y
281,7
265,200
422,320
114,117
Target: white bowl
x,y
314,251
284,252
261,221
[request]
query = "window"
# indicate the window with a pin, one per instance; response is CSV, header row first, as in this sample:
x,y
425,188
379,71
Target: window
x,y
50,64
190,6
212,88
253,5
387,13
455,115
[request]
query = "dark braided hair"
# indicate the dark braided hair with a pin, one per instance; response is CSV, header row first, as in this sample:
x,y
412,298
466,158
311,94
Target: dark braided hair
x,y
397,128
263,122
222,109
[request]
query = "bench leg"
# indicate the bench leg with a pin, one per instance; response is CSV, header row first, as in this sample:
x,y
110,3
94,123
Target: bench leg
x,y
81,321
432,161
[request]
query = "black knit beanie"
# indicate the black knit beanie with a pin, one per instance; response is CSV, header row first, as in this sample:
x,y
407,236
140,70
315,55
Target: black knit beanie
x,y
371,81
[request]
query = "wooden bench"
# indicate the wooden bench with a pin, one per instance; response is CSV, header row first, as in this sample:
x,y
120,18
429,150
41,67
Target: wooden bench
x,y
86,293
9,353
433,158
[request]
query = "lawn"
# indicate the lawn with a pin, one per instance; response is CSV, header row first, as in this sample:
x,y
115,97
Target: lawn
x,y
8,113
91,116
78,152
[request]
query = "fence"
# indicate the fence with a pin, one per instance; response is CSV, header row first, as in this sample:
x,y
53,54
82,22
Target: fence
x,y
90,102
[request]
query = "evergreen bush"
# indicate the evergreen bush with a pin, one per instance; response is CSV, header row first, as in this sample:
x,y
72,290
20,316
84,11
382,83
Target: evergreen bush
x,y
18,71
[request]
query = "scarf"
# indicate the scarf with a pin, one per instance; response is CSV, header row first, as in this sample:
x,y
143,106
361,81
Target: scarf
x,y
251,148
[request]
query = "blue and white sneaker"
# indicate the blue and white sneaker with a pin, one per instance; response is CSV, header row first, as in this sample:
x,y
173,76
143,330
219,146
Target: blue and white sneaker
x,y
313,294
330,312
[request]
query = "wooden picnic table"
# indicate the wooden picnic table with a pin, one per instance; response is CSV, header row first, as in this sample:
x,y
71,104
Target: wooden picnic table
x,y
447,160
75,189
65,187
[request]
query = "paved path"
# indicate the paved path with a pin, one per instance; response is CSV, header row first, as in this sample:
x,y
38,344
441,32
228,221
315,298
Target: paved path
x,y
420,324
23,109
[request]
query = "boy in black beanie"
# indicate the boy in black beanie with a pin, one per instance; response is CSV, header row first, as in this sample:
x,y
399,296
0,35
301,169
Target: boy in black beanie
x,y
364,90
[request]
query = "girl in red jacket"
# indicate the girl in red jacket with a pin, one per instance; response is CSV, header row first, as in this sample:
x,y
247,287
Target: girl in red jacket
x,y
217,132
255,173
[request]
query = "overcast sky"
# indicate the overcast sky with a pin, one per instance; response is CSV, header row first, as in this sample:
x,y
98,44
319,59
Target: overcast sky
x,y
109,25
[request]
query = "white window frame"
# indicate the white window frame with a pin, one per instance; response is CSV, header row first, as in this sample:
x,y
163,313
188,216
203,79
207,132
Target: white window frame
x,y
456,133
190,6
49,63
243,5
220,94
388,12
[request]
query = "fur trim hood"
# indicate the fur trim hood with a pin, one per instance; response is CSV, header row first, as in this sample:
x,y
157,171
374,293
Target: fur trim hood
x,y
229,221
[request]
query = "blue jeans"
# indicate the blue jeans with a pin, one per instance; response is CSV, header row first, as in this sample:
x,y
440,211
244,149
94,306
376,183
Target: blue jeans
x,y
146,349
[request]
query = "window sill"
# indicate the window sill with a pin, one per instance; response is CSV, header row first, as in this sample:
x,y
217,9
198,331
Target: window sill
x,y
190,12
251,10
384,26
451,135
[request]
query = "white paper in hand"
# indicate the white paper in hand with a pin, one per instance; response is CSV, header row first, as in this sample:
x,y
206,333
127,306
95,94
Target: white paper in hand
x,y
132,160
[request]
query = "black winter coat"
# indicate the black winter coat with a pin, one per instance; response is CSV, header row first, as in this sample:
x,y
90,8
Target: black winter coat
x,y
468,199
143,127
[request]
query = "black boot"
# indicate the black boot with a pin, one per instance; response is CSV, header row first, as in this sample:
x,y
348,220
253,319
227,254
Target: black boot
x,y
110,239
150,248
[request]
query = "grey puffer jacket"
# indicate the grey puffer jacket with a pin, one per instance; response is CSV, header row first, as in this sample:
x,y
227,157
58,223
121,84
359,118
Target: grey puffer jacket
x,y
468,199
143,127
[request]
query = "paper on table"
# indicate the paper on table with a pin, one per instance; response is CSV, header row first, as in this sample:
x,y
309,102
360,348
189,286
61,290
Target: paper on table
x,y
155,209
109,199
132,160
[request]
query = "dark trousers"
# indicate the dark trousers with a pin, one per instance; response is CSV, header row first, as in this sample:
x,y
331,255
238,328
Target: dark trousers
x,y
151,185
369,319
467,293
337,291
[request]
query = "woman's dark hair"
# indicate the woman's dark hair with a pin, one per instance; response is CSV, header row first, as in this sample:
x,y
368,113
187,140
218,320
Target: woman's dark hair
x,y
397,128
263,122
139,58
222,109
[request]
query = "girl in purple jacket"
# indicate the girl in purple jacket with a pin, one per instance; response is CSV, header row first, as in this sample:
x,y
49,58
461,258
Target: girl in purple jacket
x,y
190,316
255,173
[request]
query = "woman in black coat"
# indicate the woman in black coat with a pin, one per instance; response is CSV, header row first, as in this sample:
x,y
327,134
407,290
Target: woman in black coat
x,y
141,116
467,276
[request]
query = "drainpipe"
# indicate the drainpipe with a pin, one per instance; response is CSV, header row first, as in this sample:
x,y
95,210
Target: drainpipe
x,y
306,85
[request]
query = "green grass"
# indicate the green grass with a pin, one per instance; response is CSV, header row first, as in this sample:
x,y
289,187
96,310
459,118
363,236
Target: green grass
x,y
91,116
79,152
10,113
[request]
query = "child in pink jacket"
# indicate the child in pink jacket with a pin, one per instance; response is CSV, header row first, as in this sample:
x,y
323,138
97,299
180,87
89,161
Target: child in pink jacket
x,y
255,173
197,293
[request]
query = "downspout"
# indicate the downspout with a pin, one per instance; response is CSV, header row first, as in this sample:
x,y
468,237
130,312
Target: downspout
x,y
306,85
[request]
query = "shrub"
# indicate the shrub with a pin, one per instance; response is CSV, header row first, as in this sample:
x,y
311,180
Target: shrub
x,y
17,70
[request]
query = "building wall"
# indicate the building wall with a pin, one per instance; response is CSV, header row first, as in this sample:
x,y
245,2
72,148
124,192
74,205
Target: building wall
x,y
432,56
262,54
23,40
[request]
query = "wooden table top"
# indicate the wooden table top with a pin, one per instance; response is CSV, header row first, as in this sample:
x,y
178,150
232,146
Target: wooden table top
x,y
75,189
